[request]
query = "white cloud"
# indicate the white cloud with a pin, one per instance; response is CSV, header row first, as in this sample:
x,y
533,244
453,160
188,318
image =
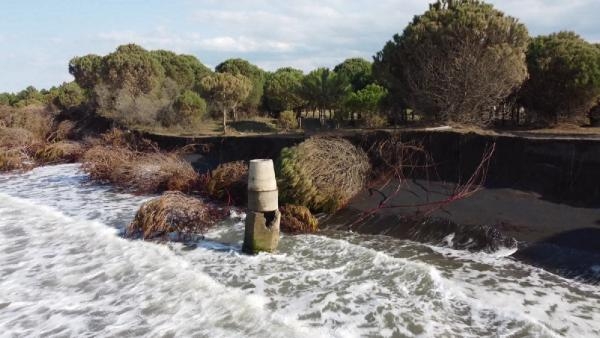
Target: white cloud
x,y
243,44
164,39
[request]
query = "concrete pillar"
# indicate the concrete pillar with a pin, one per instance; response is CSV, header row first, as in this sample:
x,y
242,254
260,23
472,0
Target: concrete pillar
x,y
263,216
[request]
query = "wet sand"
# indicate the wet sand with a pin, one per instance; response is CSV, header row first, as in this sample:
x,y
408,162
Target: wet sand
x,y
561,238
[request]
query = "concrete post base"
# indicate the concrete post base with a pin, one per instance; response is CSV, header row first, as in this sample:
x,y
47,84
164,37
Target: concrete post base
x,y
262,231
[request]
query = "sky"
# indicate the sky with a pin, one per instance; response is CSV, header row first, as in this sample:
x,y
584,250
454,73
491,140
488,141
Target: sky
x,y
39,37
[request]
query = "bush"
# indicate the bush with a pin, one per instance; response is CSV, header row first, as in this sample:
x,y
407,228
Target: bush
x,y
14,159
100,161
16,147
287,120
17,137
60,152
374,121
152,173
229,183
64,130
188,111
139,172
321,173
172,212
36,119
297,219
69,95
119,138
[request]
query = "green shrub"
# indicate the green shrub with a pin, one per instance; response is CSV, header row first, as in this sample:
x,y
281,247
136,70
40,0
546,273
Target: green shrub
x,y
69,95
321,174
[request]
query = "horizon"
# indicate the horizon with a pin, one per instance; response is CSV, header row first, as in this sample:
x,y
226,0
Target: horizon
x,y
40,38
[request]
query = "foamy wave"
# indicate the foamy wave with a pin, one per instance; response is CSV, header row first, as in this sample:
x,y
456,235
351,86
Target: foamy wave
x,y
65,271
73,277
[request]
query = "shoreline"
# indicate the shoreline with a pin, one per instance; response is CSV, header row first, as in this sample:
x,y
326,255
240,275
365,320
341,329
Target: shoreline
x,y
560,238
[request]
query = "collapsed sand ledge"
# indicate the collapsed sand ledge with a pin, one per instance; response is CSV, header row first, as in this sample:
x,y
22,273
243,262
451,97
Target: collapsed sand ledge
x,y
559,169
543,192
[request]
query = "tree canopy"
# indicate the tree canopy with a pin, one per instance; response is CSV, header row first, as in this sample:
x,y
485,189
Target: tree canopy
x,y
456,61
69,95
226,91
367,100
324,89
357,71
283,90
185,70
253,73
564,76
133,69
86,70
187,111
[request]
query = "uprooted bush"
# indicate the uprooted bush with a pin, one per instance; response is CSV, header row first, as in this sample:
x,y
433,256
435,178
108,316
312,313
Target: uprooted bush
x,y
60,152
173,212
229,182
16,147
322,173
18,138
296,219
64,130
118,138
36,119
142,173
14,159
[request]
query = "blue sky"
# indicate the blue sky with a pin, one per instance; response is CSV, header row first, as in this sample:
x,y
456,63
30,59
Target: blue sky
x,y
39,37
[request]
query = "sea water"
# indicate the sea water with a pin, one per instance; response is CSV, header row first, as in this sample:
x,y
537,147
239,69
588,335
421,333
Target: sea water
x,y
65,271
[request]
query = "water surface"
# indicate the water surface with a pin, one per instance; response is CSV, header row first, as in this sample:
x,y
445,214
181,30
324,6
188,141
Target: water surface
x,y
65,271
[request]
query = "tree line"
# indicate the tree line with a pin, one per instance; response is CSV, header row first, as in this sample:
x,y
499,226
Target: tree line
x,y
461,61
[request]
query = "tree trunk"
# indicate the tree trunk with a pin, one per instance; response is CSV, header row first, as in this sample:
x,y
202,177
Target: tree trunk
x,y
224,120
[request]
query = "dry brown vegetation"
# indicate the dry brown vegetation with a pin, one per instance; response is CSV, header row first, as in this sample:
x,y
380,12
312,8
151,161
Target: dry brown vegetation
x,y
142,173
64,130
16,147
137,165
322,173
60,152
229,182
18,138
34,118
99,161
173,212
296,219
25,134
14,159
